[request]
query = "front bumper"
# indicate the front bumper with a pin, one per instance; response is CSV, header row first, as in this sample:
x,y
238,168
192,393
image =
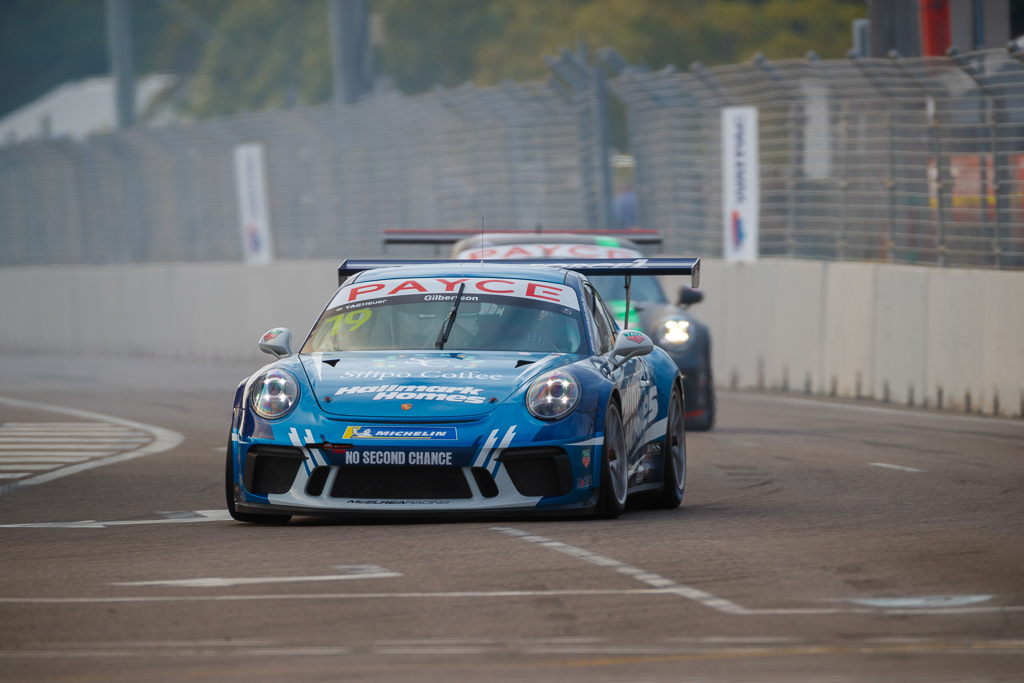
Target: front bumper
x,y
696,380
503,463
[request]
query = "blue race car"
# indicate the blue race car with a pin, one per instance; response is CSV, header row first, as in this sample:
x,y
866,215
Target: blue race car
x,y
438,387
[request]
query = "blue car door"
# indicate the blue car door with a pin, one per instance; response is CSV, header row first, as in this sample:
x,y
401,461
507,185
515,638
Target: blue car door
x,y
635,382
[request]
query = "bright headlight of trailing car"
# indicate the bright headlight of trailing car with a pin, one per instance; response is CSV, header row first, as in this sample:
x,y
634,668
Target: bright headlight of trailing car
x,y
274,394
675,332
553,396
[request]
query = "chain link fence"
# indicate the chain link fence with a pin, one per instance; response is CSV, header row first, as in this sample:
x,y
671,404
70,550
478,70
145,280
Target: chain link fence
x,y
891,160
336,178
897,160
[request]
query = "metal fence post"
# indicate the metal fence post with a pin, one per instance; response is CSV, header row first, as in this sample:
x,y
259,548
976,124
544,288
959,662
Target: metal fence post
x,y
993,135
890,182
793,127
935,132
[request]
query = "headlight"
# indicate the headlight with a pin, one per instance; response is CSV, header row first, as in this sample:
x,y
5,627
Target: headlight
x,y
676,332
274,394
553,396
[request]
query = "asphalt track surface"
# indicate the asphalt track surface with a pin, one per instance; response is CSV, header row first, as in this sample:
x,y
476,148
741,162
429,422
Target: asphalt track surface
x,y
818,541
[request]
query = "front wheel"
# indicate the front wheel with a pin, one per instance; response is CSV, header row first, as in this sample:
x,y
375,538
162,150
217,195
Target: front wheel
x,y
229,491
674,450
614,466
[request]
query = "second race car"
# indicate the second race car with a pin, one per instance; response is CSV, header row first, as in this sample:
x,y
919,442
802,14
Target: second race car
x,y
671,325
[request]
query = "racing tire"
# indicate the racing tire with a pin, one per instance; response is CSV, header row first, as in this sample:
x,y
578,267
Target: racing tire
x,y
674,450
707,420
614,466
229,491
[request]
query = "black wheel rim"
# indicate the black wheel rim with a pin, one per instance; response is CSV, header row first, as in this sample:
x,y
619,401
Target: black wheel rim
x,y
618,464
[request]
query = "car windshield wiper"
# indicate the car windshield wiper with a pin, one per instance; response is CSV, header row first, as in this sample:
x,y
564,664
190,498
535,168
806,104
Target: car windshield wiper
x,y
446,326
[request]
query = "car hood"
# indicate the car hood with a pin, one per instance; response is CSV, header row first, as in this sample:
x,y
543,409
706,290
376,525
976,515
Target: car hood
x,y
425,385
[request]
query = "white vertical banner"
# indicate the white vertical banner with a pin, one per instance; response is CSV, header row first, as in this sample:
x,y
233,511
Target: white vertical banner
x,y
254,215
741,183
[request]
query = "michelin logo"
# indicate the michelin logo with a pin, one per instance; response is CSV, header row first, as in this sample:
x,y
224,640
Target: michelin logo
x,y
426,433
405,392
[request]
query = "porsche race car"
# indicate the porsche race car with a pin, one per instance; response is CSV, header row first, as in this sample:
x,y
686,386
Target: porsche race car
x,y
671,325
436,387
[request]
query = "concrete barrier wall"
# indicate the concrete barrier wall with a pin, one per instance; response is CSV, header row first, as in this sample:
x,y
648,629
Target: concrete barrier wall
x,y
946,338
212,311
925,336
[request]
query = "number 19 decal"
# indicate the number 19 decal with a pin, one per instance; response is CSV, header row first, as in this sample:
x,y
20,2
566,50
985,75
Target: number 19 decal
x,y
355,320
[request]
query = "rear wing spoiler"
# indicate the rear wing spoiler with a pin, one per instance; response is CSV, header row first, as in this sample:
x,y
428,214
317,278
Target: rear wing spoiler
x,y
621,266
439,237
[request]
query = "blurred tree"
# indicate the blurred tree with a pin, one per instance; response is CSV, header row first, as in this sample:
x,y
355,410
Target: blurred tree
x,y
268,53
662,32
265,54
45,44
437,42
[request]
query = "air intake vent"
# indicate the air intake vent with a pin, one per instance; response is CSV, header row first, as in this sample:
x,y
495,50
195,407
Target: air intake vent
x,y
317,479
485,482
541,472
271,469
400,483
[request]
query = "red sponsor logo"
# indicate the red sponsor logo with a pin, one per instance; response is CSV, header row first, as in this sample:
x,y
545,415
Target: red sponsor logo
x,y
543,291
635,338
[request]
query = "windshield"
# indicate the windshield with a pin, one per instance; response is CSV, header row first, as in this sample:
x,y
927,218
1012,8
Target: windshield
x,y
643,288
494,315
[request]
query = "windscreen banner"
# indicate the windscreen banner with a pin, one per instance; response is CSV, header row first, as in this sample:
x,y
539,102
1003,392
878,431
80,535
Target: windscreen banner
x,y
253,213
741,186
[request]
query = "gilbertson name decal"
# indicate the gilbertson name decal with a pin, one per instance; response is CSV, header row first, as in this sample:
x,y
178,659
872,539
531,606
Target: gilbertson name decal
x,y
406,392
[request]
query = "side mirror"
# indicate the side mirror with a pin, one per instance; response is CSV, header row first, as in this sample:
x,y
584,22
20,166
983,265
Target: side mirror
x,y
629,344
688,296
277,342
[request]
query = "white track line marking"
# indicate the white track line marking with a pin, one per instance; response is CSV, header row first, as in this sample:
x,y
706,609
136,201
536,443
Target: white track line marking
x,y
894,467
921,602
73,425
178,518
706,599
937,415
40,455
350,572
328,596
142,599
163,440
721,604
29,447
30,437
26,457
